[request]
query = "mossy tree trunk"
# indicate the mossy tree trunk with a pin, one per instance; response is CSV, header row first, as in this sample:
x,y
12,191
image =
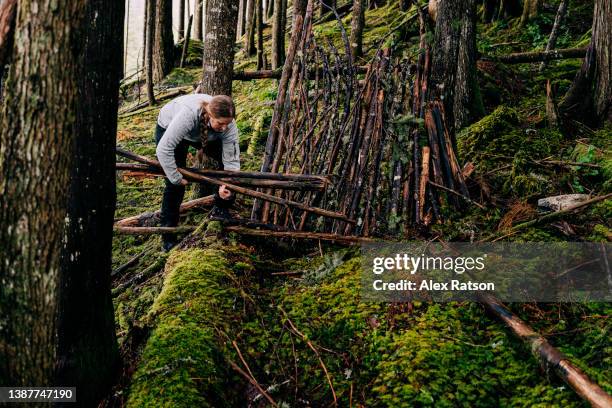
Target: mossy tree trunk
x,y
278,35
36,155
88,356
197,20
590,95
357,25
453,69
163,46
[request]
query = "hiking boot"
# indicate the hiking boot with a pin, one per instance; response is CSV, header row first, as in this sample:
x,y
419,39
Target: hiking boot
x,y
220,213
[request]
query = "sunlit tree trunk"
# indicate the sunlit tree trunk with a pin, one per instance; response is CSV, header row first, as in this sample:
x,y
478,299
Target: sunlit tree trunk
x,y
197,21
357,25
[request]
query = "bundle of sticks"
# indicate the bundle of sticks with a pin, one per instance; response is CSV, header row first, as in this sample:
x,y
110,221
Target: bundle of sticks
x,y
233,180
380,135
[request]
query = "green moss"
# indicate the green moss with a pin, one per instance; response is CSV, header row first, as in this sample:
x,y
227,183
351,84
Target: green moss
x,y
182,363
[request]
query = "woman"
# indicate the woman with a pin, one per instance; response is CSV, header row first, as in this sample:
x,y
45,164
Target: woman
x,y
207,123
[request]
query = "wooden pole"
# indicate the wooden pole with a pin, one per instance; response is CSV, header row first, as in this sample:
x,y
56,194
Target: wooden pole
x,y
537,56
241,190
549,357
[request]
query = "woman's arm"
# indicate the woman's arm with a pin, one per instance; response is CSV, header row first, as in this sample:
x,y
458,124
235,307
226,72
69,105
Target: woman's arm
x,y
231,149
179,127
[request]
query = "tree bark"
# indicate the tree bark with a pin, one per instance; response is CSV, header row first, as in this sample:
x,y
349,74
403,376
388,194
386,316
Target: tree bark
x,y
590,95
278,35
88,356
453,72
270,10
218,60
150,31
36,150
197,22
357,24
181,20
8,12
163,48
260,42
241,19
249,40
530,10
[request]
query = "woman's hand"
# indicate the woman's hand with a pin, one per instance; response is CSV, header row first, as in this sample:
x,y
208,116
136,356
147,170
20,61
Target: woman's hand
x,y
224,192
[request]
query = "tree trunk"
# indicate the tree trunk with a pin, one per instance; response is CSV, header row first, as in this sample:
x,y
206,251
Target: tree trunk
x,y
150,38
36,150
299,8
88,356
241,19
588,99
453,72
270,10
163,48
249,44
144,35
278,35
260,42
181,20
218,67
530,10
8,12
357,24
197,22
554,33
488,13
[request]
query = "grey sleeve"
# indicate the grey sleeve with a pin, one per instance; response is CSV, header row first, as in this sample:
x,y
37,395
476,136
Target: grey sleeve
x,y
179,127
231,149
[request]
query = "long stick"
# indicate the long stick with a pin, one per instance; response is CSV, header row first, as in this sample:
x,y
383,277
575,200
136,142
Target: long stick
x,y
119,229
133,221
349,239
549,356
237,189
246,181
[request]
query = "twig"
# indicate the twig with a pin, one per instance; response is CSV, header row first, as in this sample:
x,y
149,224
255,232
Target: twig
x,y
309,343
253,381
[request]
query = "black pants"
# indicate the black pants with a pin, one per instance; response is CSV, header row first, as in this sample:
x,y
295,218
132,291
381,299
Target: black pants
x,y
174,194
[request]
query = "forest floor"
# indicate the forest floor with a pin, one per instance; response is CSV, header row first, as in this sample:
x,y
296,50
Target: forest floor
x,y
202,325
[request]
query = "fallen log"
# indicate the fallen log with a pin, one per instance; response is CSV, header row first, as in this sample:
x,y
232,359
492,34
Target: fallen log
x,y
124,230
241,190
537,56
304,185
548,356
136,220
349,239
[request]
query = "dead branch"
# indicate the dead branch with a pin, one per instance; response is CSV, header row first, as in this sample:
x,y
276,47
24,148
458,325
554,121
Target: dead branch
x,y
136,220
263,196
550,357
348,239
119,229
537,56
250,375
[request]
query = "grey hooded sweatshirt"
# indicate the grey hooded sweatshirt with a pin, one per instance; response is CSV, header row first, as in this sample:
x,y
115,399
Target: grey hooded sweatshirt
x,y
181,119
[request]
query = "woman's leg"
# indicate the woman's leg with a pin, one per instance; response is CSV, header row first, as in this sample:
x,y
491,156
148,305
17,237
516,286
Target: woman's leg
x,y
173,194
